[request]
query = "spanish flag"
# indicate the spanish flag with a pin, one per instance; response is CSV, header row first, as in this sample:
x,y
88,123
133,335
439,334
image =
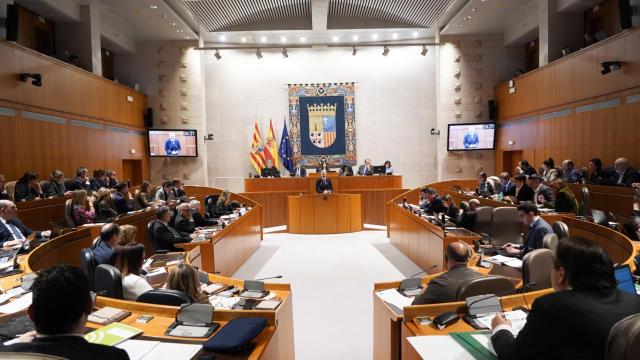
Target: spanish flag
x,y
271,147
256,156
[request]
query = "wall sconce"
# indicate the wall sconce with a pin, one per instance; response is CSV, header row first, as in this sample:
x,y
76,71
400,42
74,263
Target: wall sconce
x,y
37,78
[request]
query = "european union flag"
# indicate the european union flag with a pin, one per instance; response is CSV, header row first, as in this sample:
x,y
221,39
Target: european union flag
x,y
285,149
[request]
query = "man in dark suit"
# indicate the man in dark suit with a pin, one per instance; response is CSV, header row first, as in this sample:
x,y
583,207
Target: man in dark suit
x,y
99,180
54,187
538,228
433,202
471,139
198,219
109,238
178,190
484,186
12,231
573,322
122,198
165,236
183,223
172,145
299,171
366,169
523,191
81,181
269,170
323,185
59,310
570,174
444,288
626,174
112,179
508,188
543,195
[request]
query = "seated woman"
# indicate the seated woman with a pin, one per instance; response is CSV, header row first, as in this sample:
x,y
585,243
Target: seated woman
x,y
388,169
225,205
523,191
129,262
27,187
184,277
104,206
452,210
565,200
143,198
79,210
127,234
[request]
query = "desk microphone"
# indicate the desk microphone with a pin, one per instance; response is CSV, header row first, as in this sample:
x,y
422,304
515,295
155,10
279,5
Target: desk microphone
x,y
269,278
413,283
498,295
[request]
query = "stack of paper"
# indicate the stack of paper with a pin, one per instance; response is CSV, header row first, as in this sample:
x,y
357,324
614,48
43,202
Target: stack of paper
x,y
107,315
518,320
155,350
393,297
17,305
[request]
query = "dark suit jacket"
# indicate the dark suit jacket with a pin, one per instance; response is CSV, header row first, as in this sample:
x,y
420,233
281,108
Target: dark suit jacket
x,y
453,212
95,184
526,193
546,193
529,171
362,170
629,177
104,254
570,324
434,206
574,176
166,238
104,211
485,186
123,205
184,226
444,288
509,189
200,221
534,237
51,188
303,172
6,235
68,347
267,172
79,184
321,186
24,192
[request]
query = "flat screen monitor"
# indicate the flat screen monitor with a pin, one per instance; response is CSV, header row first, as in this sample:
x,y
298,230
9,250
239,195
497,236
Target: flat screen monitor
x,y
466,137
625,279
173,143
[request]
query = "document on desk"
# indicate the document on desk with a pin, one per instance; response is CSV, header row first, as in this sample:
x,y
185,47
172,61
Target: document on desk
x,y
499,259
17,305
156,350
393,297
518,320
514,263
439,347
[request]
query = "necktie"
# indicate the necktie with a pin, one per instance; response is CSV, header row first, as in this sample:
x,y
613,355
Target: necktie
x,y
17,235
173,231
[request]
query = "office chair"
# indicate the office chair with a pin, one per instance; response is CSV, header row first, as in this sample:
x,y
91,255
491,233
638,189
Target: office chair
x,y
68,213
585,204
484,214
165,297
152,240
561,229
506,226
550,241
10,188
624,339
485,285
536,268
95,242
108,281
88,265
68,183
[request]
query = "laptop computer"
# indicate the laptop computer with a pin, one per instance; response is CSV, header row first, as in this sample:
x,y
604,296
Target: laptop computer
x,y
599,217
624,279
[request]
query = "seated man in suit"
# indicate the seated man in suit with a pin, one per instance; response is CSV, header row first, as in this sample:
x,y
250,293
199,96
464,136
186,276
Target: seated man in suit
x,y
444,288
81,181
538,228
523,191
3,191
484,186
12,231
299,171
269,170
165,193
165,236
172,145
543,195
183,223
28,188
198,219
570,174
99,180
508,188
113,180
122,198
323,185
178,190
574,321
626,174
59,310
109,237
433,204
54,187
471,139
366,169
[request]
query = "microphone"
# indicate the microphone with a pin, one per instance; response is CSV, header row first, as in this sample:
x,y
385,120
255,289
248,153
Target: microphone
x,y
413,283
502,293
269,278
421,272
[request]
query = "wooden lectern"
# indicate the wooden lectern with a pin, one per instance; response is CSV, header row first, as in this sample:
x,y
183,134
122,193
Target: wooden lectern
x,y
324,213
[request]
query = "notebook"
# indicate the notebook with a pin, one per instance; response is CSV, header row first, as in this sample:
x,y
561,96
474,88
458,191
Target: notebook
x,y
112,334
268,305
108,315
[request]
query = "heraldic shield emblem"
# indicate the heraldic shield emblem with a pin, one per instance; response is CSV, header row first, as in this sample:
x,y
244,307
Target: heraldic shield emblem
x,y
322,124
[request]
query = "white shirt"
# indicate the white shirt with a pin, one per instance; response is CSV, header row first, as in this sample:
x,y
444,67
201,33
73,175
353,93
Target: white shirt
x,y
134,286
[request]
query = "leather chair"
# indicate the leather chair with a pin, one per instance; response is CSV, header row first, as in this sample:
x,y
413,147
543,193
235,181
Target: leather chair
x,y
484,214
136,200
506,226
152,240
68,183
536,268
10,188
108,281
88,265
550,241
585,204
68,213
485,285
624,339
165,297
95,242
561,229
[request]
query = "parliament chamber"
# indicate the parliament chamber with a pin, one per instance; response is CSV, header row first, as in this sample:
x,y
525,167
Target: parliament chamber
x,y
173,172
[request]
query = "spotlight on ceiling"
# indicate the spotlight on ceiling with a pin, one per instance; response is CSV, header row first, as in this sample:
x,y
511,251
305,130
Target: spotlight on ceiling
x,y
259,54
424,50
386,51
284,53
355,51
217,55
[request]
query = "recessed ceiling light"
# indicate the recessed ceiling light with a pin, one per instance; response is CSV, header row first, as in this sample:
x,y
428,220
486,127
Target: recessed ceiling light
x,y
172,24
283,39
263,39
335,38
394,36
415,34
303,39
468,17
374,36
355,37
474,9
153,7
222,38
187,37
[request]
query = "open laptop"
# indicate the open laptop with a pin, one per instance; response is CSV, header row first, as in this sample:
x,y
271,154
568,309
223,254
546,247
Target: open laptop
x,y
624,279
599,217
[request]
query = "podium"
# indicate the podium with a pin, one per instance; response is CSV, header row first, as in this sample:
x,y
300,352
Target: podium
x,y
324,213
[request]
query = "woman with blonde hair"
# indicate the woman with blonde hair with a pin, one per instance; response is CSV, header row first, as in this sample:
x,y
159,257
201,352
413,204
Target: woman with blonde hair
x,y
128,234
184,277
105,208
79,211
225,205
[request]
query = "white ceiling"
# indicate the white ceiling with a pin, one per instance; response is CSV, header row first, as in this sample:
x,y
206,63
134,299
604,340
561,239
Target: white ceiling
x,y
490,17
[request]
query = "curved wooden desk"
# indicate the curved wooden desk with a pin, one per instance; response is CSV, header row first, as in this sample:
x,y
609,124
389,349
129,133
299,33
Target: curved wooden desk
x,y
324,213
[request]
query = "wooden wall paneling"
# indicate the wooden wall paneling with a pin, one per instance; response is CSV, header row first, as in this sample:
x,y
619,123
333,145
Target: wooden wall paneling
x,y
8,145
343,208
307,223
564,85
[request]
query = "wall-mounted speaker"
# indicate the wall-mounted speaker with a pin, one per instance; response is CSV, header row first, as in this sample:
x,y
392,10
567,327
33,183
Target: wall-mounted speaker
x,y
493,110
148,118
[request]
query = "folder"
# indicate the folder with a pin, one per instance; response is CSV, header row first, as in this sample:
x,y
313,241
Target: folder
x,y
468,341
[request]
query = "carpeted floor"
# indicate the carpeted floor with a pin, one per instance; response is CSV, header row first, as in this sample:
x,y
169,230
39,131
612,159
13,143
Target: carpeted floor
x,y
332,279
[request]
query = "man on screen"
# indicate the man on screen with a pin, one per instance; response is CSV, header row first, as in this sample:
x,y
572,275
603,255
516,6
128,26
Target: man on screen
x,y
471,140
172,145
